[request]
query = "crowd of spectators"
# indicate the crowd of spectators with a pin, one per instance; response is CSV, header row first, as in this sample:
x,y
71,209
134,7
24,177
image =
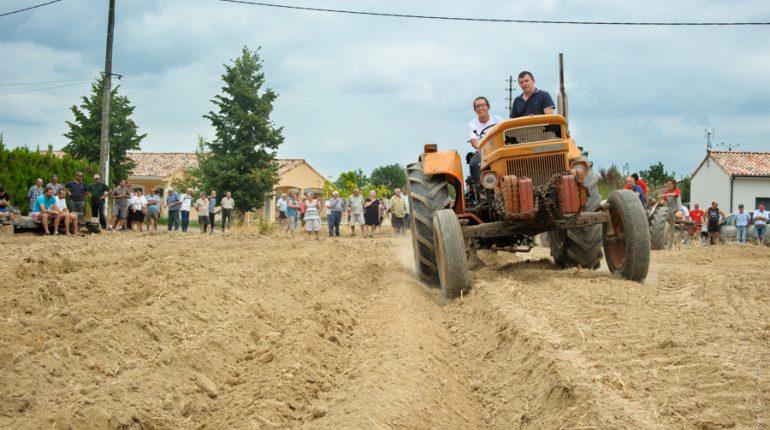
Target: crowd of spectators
x,y
57,205
367,214
695,225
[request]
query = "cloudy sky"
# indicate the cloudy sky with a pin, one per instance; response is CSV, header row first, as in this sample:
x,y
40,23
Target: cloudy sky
x,y
362,91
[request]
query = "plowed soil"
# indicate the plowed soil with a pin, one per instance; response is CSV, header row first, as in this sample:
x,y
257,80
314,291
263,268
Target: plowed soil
x,y
242,331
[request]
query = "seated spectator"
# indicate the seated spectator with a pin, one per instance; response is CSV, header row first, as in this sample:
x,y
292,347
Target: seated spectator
x,y
5,205
45,209
69,217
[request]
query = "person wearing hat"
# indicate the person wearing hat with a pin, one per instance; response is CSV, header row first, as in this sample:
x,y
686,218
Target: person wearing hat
x,y
98,192
173,204
741,221
715,217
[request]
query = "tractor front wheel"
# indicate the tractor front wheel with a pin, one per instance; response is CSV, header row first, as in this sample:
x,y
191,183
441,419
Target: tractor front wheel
x,y
450,253
627,237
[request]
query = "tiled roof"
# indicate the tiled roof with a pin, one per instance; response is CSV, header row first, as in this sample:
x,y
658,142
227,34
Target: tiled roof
x,y
742,163
165,164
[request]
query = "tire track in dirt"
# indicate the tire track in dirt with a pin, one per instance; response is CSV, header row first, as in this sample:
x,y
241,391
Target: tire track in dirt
x,y
582,349
402,372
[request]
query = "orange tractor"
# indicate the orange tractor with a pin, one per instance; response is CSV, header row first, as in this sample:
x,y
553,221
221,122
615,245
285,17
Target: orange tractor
x,y
534,179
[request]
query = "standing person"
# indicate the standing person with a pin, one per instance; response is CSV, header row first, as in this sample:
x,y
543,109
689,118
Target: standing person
x,y
292,209
760,223
532,101
202,207
55,185
44,209
356,212
633,186
69,218
121,197
281,206
153,209
672,197
397,211
212,210
227,210
639,181
173,204
77,190
741,221
185,209
715,217
98,191
371,214
138,210
336,206
312,216
697,216
477,128
34,193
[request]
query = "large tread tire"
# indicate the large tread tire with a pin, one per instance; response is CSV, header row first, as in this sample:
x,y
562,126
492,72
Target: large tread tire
x,y
427,195
450,253
580,247
629,254
661,228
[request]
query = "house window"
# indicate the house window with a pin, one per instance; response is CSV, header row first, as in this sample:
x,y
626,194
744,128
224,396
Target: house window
x,y
762,201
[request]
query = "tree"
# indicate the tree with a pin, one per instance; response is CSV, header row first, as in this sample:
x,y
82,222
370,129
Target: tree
x,y
85,131
391,176
241,157
352,179
656,175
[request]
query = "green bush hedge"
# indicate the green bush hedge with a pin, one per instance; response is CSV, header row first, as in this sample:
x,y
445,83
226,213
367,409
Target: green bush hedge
x,y
20,167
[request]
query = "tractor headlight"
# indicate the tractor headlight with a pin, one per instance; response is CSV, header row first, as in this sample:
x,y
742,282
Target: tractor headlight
x,y
489,179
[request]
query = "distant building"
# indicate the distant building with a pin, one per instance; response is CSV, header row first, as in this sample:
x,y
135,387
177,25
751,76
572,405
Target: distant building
x,y
730,178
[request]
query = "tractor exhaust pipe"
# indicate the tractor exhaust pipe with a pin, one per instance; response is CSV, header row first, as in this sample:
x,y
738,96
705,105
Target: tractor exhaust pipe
x,y
562,107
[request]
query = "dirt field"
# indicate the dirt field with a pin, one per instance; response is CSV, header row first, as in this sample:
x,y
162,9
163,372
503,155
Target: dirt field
x,y
242,331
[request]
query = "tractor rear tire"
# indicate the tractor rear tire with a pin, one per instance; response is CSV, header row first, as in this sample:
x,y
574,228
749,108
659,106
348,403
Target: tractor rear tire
x,y
427,195
628,251
450,253
580,247
661,228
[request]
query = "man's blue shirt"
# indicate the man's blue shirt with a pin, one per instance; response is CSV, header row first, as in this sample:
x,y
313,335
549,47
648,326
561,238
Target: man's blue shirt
x,y
534,105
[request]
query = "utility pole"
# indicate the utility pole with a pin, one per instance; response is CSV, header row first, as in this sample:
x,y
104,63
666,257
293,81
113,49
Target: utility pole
x,y
104,150
510,95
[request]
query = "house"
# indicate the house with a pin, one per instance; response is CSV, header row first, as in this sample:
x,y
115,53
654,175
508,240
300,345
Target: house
x,y
730,178
159,169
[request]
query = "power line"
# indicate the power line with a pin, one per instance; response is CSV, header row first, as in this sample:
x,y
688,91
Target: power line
x,y
29,8
20,84
515,21
41,89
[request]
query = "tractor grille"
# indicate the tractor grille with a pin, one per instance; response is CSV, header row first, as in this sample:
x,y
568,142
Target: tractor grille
x,y
532,133
539,169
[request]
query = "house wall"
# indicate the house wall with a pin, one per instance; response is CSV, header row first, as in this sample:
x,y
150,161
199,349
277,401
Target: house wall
x,y
747,190
710,183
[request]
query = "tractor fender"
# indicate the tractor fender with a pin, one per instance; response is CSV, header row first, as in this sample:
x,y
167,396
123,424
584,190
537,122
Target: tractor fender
x,y
446,163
